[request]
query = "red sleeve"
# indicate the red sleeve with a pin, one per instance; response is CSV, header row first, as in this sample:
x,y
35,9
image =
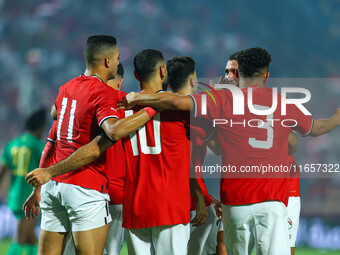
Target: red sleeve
x,y
52,135
106,104
47,155
303,123
121,95
49,149
208,106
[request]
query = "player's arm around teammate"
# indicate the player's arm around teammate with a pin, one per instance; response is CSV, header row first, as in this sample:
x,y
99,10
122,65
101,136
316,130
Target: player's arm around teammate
x,y
170,101
114,129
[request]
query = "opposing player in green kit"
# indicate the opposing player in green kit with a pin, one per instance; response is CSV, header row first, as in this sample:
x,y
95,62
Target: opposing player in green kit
x,y
22,155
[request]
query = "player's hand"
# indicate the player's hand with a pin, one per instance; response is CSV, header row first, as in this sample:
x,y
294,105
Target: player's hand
x,y
31,207
218,207
201,213
38,177
127,102
220,81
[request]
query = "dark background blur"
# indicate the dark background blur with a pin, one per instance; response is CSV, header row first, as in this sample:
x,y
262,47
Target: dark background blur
x,y
41,48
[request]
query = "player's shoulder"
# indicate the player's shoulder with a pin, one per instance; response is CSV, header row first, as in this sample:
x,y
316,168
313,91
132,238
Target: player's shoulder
x,y
102,89
121,94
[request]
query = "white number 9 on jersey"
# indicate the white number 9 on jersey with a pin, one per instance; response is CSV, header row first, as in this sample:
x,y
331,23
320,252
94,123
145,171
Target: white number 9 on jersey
x,y
154,150
268,143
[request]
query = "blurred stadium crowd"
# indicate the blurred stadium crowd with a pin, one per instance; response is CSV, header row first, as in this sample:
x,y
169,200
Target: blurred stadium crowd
x,y
41,47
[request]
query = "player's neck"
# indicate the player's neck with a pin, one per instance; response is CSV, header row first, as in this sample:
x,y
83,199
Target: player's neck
x,y
96,72
150,86
184,91
249,82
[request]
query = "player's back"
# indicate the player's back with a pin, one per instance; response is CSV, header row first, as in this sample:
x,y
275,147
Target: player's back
x,y
262,147
21,155
157,190
82,105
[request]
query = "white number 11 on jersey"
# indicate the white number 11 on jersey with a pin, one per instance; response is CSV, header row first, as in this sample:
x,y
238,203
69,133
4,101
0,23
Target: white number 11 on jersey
x,y
71,120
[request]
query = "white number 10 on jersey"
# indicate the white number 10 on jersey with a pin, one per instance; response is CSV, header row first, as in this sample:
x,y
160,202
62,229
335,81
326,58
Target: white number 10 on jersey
x,y
157,149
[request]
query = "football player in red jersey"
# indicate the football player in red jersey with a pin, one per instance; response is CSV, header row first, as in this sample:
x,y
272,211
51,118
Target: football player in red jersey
x,y
254,210
182,80
116,171
231,76
166,231
77,201
115,168
158,167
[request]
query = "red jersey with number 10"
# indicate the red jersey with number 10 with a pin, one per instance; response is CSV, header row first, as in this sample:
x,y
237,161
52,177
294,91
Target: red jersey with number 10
x,y
157,184
82,105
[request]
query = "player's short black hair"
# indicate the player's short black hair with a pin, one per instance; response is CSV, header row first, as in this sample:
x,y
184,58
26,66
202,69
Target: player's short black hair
x,y
36,120
120,70
145,63
95,45
179,69
253,61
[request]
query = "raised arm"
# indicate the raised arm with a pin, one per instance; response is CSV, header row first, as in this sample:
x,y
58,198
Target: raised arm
x,y
161,101
323,126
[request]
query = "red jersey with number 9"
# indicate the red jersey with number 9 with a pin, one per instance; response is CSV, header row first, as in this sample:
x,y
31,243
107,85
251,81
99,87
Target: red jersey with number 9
x,y
253,144
157,184
82,105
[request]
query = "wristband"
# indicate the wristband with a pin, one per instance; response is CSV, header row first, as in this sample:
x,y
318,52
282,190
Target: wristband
x,y
150,111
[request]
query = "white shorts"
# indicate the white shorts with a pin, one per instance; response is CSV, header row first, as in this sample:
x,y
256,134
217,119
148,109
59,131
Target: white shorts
x,y
115,237
263,225
160,240
294,207
67,207
203,239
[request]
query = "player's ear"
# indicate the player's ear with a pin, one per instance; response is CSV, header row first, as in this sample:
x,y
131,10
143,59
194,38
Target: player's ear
x,y
266,77
107,61
119,85
162,71
192,82
136,76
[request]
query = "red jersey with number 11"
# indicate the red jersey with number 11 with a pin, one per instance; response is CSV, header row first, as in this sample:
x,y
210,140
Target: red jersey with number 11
x,y
82,105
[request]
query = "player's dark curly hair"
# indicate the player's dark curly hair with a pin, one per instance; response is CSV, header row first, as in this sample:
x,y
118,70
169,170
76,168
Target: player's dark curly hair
x,y
179,69
253,61
234,55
